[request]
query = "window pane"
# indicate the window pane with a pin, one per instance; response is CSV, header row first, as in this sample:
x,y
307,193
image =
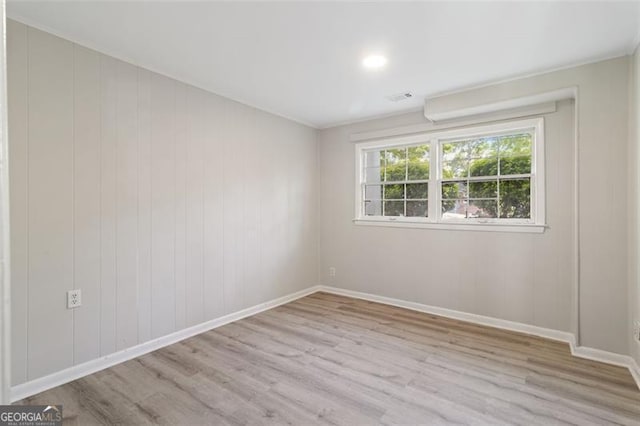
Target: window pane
x,y
515,198
373,192
484,148
418,171
482,208
394,208
394,192
396,166
396,172
515,145
454,189
418,158
455,169
483,189
417,190
374,159
454,209
484,167
395,155
454,151
373,208
462,209
515,165
417,208
373,174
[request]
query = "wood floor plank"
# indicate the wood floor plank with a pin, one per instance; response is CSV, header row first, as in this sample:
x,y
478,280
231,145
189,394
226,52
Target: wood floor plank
x,y
333,360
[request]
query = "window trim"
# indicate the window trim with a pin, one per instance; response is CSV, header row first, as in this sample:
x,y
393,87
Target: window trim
x,y
536,224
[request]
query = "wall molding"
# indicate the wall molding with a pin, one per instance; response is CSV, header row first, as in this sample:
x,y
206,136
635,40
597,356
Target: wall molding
x,y
604,356
635,371
562,336
548,333
75,372
439,114
431,127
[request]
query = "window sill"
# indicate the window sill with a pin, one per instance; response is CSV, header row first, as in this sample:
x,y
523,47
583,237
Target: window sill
x,y
483,227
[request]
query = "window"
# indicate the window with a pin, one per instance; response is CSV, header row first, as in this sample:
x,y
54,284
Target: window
x,y
486,178
396,181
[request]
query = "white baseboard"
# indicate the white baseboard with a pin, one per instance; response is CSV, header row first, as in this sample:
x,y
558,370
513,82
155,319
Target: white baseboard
x,y
563,336
635,371
42,384
602,356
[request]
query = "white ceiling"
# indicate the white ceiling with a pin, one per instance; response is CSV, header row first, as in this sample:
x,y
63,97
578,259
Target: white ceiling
x,y
302,60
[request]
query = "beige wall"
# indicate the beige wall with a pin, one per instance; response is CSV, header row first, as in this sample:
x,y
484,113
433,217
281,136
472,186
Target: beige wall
x,y
634,197
165,204
520,277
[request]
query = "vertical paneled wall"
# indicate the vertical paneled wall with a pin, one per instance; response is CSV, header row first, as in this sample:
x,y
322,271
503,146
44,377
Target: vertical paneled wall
x,y
165,204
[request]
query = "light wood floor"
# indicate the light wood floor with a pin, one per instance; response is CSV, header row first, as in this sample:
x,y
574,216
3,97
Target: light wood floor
x,y
327,359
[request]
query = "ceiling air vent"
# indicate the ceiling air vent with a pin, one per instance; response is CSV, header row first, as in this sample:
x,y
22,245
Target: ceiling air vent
x,y
399,97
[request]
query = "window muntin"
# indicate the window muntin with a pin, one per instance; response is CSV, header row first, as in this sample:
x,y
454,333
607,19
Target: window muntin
x,y
396,181
487,177
490,177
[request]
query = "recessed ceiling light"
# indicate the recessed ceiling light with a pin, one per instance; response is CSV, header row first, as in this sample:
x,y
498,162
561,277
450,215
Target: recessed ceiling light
x,y
374,61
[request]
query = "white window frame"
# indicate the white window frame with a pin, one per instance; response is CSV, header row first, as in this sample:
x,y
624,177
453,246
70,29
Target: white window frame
x,y
537,222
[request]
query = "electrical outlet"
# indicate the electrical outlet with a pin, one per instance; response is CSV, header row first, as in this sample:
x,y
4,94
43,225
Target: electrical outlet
x,y
636,330
74,298
332,271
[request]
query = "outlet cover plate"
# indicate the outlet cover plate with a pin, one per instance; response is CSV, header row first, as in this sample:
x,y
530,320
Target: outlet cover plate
x,y
74,298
